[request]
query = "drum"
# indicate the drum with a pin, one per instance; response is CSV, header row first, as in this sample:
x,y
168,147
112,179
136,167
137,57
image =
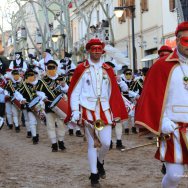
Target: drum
x,y
36,106
60,106
129,106
16,103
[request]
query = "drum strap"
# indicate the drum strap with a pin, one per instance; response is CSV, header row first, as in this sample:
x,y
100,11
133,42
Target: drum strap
x,y
140,84
11,86
47,87
27,89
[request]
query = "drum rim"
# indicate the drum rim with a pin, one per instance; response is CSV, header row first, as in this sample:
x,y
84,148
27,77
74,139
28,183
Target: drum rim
x,y
53,104
34,104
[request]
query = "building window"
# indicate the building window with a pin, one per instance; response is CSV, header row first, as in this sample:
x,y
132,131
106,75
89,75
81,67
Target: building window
x,y
144,5
171,5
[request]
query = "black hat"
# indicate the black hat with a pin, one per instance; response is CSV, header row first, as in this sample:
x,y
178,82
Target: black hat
x,y
15,71
69,55
110,64
31,56
127,70
145,70
48,51
51,62
20,53
30,72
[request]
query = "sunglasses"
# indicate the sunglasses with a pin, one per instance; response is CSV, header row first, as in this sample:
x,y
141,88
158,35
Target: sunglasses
x,y
51,67
96,49
128,73
184,41
30,74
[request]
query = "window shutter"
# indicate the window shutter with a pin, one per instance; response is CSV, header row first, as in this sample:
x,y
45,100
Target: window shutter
x,y
171,5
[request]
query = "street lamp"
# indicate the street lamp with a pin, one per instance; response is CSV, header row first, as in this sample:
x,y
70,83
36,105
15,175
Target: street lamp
x,y
56,37
118,11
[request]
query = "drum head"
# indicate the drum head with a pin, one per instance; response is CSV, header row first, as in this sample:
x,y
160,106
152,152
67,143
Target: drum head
x,y
56,100
35,101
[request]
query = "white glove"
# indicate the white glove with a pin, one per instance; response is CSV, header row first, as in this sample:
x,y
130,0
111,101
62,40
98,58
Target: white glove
x,y
133,94
75,116
168,126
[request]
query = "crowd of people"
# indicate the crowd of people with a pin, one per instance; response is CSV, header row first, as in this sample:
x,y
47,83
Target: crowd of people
x,y
97,98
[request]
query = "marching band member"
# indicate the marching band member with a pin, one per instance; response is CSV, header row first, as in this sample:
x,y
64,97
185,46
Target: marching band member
x,y
94,95
29,93
66,64
162,107
12,111
127,77
46,57
137,85
164,50
73,126
18,63
48,85
118,128
2,100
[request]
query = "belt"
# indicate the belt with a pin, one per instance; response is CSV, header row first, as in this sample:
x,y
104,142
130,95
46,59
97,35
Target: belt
x,y
92,99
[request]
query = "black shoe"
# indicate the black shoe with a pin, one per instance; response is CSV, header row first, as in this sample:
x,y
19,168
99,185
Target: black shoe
x,y
101,171
37,137
10,126
35,140
71,133
163,169
54,147
119,145
29,134
79,134
127,131
17,129
134,130
61,145
95,180
111,145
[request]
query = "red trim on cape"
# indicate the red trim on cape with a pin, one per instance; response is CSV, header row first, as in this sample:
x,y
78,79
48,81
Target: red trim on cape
x,y
116,101
150,106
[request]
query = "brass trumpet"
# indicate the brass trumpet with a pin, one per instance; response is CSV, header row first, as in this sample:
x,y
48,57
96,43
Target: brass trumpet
x,y
98,124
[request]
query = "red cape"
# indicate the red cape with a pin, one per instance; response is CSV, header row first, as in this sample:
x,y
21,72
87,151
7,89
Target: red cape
x,y
150,106
116,101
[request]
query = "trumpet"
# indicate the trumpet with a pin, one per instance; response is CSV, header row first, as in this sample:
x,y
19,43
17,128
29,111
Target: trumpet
x,y
98,124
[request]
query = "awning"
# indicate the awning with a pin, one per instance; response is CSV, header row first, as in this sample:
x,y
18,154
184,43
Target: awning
x,y
150,57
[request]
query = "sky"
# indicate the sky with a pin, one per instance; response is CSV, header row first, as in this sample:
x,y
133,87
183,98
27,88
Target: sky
x,y
3,8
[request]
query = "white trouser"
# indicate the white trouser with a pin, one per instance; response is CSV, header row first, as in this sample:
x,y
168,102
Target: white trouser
x,y
174,173
73,126
118,131
33,121
55,132
129,122
105,139
8,110
26,119
16,113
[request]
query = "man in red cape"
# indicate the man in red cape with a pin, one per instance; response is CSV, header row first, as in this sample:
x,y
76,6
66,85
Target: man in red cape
x,y
163,107
94,94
